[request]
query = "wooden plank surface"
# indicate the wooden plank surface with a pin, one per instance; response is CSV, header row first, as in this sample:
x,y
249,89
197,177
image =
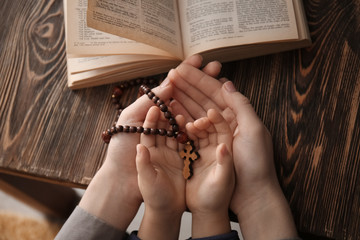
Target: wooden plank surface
x,y
309,99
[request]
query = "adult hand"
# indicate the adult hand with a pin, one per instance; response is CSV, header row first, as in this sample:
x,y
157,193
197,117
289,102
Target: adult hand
x,y
113,194
258,196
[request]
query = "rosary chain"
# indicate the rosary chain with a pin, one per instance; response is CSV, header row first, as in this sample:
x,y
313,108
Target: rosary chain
x,y
175,132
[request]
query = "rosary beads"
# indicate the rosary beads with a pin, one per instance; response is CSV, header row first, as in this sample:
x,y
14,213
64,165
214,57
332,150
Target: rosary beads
x,y
188,154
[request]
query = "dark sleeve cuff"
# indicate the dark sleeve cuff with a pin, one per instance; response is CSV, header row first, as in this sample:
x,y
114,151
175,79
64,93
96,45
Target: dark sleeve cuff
x,y
133,236
233,235
82,225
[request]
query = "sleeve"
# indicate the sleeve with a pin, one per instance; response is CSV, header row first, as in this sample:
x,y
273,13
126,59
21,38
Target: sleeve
x,y
233,235
82,225
133,236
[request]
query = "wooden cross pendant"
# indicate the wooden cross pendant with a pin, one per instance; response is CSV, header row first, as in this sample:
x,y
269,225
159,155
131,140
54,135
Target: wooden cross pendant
x,y
189,155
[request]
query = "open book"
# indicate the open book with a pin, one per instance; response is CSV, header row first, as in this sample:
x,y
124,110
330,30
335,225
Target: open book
x,y
113,40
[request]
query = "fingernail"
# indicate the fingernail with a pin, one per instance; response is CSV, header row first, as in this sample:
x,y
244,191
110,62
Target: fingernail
x,y
229,86
199,56
218,63
224,150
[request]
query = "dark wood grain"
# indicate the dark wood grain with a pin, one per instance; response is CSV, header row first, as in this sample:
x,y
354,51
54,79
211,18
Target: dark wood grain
x,y
309,99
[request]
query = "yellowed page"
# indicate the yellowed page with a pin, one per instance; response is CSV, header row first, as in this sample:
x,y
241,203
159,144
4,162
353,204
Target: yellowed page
x,y
119,73
153,22
210,24
82,64
84,41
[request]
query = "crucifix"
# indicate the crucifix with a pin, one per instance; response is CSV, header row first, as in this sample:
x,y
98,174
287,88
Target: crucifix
x,y
189,155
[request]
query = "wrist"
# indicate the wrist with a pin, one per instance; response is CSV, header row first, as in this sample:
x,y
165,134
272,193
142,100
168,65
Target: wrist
x,y
110,199
160,224
205,224
267,215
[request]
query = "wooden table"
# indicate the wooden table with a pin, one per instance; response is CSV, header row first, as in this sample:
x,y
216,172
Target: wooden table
x,y
309,99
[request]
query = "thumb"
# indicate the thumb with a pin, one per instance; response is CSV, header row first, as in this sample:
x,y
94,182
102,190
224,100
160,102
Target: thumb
x,y
224,161
239,104
144,167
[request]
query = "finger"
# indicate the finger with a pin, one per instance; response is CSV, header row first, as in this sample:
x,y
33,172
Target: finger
x,y
204,124
136,112
183,80
193,107
151,121
224,133
178,109
240,105
196,79
199,132
230,118
145,169
212,69
194,60
224,162
195,133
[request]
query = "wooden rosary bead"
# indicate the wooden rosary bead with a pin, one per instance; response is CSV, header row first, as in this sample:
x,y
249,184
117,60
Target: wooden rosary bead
x,y
154,131
113,130
119,128
126,129
150,95
155,99
163,108
182,137
175,128
145,89
147,131
106,137
109,132
167,114
117,92
170,133
132,129
172,121
139,129
114,100
162,132
159,102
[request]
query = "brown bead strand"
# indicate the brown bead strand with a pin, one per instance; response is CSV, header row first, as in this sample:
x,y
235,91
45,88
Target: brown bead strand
x,y
180,136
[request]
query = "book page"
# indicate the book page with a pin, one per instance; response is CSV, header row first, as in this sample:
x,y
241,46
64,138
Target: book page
x,y
209,24
83,64
153,22
84,41
122,72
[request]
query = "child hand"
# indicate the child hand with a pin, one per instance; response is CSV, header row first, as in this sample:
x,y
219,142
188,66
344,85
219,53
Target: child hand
x,y
209,191
160,180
